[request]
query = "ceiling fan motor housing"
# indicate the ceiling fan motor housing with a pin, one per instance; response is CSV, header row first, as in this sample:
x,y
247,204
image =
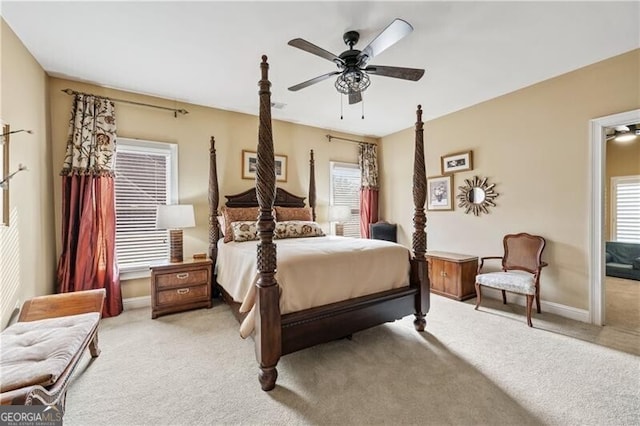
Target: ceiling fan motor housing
x,y
351,38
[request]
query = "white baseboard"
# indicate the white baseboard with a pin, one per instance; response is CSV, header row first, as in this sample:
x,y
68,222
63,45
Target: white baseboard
x,y
136,302
551,307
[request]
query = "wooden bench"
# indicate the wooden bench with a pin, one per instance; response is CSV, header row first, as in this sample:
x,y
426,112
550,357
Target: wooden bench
x,y
39,353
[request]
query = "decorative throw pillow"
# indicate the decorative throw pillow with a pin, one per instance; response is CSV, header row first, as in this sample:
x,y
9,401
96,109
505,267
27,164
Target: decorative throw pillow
x,y
244,231
293,213
297,229
237,214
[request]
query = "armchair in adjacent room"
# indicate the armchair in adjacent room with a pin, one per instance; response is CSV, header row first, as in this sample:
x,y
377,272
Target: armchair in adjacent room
x,y
521,266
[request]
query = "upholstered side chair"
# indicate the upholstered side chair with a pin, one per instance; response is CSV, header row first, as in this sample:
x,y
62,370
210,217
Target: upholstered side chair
x,y
521,266
382,230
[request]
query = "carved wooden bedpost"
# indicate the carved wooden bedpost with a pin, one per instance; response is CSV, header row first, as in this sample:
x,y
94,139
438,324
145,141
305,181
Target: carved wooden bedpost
x,y
312,185
419,222
214,197
268,337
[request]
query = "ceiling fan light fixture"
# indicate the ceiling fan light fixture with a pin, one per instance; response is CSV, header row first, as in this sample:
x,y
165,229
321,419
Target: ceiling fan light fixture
x,y
352,81
625,137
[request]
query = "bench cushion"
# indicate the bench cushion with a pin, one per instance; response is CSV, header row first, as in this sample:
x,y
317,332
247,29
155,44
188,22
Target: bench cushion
x,y
38,352
519,282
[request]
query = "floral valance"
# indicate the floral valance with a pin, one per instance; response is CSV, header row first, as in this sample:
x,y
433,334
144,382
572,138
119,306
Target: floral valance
x,y
91,142
368,161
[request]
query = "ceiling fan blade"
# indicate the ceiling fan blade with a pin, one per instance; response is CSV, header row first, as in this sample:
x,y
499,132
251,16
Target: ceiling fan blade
x,y
413,74
313,81
392,34
355,97
312,48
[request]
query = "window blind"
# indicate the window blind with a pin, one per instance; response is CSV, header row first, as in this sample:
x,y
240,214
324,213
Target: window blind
x,y
345,191
626,209
143,181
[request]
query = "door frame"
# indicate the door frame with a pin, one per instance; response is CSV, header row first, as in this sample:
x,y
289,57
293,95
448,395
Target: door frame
x,y
598,154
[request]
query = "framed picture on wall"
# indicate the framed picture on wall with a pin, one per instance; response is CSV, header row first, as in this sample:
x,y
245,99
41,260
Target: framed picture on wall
x,y
250,160
439,195
457,162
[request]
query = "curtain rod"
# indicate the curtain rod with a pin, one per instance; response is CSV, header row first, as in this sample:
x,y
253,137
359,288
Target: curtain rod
x,y
175,111
329,137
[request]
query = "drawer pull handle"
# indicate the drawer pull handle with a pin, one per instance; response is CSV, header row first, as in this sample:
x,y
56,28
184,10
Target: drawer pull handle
x,y
183,290
182,275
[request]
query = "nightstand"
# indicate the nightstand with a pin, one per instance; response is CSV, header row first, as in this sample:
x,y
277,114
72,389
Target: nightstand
x,y
177,287
452,275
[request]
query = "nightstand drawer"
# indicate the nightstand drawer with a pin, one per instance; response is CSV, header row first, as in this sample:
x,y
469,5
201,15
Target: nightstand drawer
x,y
183,295
177,287
182,278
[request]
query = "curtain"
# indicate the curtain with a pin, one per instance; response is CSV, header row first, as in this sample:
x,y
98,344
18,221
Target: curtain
x,y
368,162
88,258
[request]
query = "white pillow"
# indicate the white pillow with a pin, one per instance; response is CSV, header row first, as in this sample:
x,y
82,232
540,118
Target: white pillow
x,y
221,223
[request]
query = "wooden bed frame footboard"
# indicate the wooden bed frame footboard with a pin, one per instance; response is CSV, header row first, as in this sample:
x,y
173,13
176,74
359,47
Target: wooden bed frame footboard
x,y
323,324
275,334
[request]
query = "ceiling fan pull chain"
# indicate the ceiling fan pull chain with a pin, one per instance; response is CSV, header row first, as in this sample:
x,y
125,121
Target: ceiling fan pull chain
x,y
363,108
341,97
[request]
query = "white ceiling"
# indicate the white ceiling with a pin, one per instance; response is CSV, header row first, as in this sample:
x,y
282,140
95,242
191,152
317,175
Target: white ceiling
x,y
208,53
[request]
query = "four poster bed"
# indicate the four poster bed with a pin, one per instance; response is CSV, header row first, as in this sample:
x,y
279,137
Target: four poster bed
x,y
270,310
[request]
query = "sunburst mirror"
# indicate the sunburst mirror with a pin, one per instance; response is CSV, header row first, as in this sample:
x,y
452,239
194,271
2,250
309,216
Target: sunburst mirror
x,y
476,196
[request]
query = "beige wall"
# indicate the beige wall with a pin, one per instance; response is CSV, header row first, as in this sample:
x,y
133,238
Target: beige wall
x,y
623,159
534,144
27,256
233,133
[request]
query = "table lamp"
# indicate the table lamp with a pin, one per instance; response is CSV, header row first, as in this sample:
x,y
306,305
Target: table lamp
x,y
175,217
339,214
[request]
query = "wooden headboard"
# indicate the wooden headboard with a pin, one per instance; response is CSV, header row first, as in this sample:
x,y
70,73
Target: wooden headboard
x,y
249,198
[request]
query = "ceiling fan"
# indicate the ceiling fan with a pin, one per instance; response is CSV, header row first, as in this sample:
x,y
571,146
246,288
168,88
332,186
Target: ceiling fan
x,y
353,69
623,133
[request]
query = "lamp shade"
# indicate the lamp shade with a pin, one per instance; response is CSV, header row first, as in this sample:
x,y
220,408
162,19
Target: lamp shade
x,y
175,216
339,213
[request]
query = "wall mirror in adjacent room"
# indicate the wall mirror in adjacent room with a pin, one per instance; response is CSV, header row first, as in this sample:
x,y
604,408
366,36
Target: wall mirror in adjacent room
x,y
477,195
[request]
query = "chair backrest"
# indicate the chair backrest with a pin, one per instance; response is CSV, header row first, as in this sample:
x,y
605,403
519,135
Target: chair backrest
x,y
523,252
383,231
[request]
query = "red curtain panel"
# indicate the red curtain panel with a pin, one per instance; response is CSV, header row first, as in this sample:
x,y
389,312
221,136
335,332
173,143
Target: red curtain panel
x,y
88,258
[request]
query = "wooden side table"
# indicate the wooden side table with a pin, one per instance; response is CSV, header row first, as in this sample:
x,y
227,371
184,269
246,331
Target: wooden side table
x,y
452,274
177,287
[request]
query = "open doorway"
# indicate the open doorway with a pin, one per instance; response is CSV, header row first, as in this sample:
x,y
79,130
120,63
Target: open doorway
x,y
622,228
598,216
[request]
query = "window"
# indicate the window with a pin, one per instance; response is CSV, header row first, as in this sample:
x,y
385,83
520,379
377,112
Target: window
x,y
625,209
345,191
146,175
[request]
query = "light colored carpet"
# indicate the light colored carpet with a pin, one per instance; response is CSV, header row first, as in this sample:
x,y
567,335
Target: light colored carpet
x,y
622,308
470,367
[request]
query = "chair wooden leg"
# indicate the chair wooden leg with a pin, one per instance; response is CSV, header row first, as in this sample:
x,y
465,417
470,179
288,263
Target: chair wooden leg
x,y
478,296
538,300
504,297
529,305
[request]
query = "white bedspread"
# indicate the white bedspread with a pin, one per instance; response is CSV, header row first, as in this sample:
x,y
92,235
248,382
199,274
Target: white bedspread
x,y
314,271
